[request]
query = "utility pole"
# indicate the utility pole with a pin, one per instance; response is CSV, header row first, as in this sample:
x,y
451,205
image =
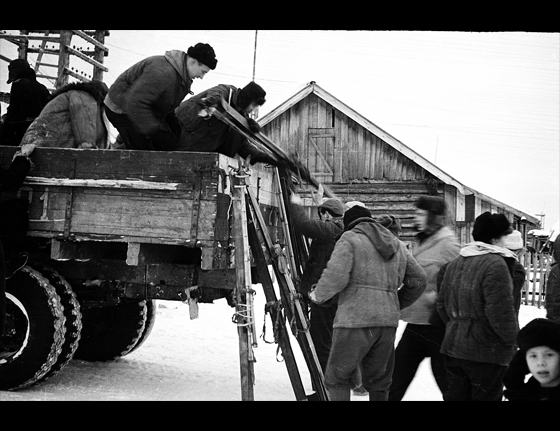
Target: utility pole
x,y
255,113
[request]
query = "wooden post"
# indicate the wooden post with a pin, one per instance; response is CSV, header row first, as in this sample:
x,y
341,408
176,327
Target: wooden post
x,y
99,55
63,58
243,294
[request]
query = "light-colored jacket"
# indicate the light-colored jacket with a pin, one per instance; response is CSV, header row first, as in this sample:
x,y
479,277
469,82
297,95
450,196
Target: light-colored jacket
x,y
431,254
368,267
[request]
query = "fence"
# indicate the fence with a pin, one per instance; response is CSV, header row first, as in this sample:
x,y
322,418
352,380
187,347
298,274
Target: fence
x,y
537,268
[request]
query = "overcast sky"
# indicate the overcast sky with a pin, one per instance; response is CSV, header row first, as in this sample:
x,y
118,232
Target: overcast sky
x,y
485,107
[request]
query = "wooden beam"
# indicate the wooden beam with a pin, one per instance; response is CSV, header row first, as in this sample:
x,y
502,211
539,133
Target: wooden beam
x,y
90,40
86,58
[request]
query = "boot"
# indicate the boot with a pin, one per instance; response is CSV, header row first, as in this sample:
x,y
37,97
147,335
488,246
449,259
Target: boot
x,y
339,394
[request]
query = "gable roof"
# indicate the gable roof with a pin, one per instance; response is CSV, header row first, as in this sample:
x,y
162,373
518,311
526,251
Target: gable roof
x,y
312,87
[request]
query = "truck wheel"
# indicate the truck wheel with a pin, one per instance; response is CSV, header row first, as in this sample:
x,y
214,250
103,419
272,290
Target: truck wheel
x,y
111,332
34,329
71,312
150,321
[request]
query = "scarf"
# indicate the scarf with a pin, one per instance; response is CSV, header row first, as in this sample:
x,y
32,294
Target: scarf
x,y
478,248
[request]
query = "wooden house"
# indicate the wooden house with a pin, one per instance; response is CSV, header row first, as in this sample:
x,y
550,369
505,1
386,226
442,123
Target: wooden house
x,y
358,160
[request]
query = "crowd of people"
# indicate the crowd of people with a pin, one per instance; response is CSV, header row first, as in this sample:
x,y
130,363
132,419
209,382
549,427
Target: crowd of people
x,y
460,304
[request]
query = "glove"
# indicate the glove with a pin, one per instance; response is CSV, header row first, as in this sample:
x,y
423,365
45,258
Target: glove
x,y
253,125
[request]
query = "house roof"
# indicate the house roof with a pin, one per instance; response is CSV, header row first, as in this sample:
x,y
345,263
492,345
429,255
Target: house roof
x,y
313,88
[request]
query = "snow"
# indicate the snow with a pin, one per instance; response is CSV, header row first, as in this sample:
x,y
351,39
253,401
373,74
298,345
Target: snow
x,y
188,360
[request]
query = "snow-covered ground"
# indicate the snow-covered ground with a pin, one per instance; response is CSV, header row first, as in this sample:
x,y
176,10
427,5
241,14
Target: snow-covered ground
x,y
186,359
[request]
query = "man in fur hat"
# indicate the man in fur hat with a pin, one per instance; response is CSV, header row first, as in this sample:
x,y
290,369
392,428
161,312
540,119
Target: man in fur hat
x,y
201,131
435,246
374,276
27,99
141,101
476,303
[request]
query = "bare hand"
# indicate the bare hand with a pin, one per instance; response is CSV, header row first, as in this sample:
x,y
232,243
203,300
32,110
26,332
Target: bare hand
x,y
27,149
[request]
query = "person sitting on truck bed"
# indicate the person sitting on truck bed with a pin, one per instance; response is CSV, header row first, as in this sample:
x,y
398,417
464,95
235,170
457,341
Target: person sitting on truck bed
x,y
141,101
73,118
202,132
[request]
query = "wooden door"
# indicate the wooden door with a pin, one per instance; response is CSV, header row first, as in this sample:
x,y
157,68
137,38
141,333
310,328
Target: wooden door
x,y
321,154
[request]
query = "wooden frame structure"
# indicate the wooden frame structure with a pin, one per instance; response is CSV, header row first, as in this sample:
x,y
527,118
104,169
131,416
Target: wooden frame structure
x,y
65,46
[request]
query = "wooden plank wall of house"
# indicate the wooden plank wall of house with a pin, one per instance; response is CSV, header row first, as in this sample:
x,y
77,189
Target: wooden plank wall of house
x,y
354,163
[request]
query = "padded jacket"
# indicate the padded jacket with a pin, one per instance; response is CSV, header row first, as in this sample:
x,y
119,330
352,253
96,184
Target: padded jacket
x,y
476,303
375,275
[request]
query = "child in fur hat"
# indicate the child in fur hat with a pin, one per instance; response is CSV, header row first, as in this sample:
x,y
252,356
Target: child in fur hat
x,y
538,355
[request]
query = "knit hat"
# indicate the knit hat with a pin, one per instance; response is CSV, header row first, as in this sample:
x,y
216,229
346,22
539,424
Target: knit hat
x,y
354,214
203,53
333,206
490,226
513,241
434,204
539,332
252,92
17,69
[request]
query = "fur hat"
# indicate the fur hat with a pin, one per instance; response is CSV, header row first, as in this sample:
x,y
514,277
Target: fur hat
x,y
514,241
17,69
539,332
434,204
354,214
252,92
203,53
390,222
489,226
333,206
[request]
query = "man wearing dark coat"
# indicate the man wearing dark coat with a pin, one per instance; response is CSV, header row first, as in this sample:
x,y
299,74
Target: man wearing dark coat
x,y
27,99
10,179
141,102
201,131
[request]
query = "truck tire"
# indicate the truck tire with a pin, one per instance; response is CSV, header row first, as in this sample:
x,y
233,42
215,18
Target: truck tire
x,y
35,328
71,312
150,321
111,332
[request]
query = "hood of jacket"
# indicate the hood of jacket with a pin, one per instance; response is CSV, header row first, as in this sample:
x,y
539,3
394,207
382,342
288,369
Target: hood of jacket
x,y
178,60
382,239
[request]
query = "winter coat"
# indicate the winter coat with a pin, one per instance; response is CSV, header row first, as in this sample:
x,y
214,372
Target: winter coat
x,y
431,254
71,118
367,268
324,235
149,91
552,304
13,177
476,303
27,99
209,134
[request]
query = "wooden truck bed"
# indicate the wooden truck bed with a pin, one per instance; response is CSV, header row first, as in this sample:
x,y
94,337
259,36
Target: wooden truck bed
x,y
80,200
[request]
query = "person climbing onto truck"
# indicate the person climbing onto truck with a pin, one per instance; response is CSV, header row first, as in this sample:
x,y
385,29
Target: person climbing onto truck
x,y
203,132
11,179
141,101
73,118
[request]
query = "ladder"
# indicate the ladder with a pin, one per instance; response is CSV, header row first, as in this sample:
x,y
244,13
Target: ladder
x,y
252,236
77,54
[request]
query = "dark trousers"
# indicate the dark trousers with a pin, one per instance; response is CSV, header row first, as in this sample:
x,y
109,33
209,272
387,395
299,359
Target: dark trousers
x,y
417,343
134,140
321,329
2,292
373,349
473,381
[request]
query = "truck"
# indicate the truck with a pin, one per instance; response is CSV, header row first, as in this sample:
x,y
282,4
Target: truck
x,y
110,232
